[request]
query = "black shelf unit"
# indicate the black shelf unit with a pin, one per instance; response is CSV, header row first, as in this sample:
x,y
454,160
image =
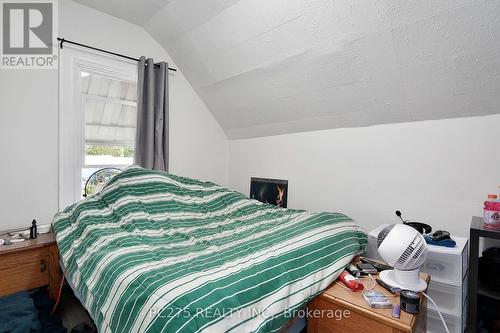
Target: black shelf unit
x,y
477,231
487,292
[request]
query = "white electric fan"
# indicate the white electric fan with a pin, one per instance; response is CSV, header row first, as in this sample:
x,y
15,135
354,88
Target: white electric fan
x,y
403,248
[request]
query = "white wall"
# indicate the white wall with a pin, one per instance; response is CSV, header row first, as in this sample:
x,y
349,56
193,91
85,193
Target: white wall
x,y
434,171
28,147
29,121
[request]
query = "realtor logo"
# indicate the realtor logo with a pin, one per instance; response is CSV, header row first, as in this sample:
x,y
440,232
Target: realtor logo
x,y
28,34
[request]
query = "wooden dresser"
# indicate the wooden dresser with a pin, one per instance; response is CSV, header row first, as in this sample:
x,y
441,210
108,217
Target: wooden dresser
x,y
353,314
30,264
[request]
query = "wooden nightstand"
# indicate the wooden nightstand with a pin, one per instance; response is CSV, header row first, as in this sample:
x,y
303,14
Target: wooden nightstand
x,y
30,264
361,317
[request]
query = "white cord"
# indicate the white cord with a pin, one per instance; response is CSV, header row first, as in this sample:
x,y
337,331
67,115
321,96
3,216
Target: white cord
x,y
373,280
439,312
359,279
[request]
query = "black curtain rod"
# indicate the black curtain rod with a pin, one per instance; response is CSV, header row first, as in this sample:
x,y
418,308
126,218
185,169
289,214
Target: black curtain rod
x,y
62,41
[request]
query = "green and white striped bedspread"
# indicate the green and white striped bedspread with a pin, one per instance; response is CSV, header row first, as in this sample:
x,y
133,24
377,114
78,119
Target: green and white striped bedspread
x,y
154,252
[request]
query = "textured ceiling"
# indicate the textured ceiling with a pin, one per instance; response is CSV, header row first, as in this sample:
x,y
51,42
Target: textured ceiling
x,y
134,11
266,67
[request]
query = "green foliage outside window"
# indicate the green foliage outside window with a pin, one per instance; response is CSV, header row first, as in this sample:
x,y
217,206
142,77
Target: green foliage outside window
x,y
108,150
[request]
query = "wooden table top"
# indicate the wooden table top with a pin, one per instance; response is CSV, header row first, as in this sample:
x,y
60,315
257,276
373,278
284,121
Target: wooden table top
x,y
40,241
339,294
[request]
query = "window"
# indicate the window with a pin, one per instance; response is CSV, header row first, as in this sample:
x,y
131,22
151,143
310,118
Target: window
x,y
110,112
98,111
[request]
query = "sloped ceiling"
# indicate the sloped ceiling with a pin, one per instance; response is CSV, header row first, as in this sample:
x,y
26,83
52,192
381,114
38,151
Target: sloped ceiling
x,y
267,67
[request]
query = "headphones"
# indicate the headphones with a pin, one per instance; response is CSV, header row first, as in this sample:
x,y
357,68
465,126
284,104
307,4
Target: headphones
x,y
423,228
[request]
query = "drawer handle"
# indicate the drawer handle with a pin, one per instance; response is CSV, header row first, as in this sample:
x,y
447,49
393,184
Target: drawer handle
x,y
43,266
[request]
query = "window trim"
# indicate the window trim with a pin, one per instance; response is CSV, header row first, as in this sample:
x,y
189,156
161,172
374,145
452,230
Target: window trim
x,y
73,60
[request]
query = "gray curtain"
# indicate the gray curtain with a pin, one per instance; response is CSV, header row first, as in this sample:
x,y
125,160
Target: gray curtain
x,y
151,141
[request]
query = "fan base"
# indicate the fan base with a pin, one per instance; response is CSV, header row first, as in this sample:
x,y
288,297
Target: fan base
x,y
408,280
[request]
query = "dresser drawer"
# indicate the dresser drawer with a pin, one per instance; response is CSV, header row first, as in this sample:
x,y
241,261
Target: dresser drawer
x,y
24,270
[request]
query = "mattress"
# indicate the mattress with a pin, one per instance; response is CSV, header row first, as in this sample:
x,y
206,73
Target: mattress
x,y
155,252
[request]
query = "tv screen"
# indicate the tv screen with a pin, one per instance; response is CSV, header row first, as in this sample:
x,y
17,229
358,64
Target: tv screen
x,y
270,191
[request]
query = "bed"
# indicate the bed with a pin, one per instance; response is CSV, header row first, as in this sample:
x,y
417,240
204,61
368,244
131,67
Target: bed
x,y
155,252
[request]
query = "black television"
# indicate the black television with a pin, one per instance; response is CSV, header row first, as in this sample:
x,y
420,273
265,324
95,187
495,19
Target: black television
x,y
270,191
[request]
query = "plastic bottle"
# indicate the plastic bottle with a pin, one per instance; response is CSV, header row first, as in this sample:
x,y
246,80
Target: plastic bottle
x,y
350,281
491,217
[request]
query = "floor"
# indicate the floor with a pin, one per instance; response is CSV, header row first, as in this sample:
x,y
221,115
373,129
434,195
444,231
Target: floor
x,y
71,310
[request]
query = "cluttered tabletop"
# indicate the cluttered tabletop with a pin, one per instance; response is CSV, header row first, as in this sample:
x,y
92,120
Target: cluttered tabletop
x,y
32,237
340,294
